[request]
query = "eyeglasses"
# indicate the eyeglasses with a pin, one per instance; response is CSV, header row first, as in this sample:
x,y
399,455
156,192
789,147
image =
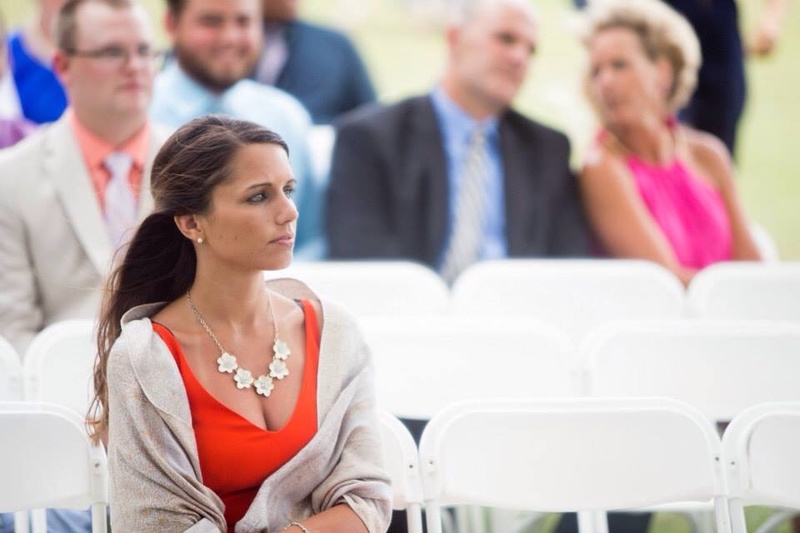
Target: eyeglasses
x,y
117,56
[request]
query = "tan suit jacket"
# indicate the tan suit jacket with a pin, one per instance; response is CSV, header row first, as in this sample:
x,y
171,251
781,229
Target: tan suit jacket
x,y
55,249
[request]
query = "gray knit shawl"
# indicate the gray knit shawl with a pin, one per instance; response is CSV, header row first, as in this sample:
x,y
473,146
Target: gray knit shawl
x,y
155,480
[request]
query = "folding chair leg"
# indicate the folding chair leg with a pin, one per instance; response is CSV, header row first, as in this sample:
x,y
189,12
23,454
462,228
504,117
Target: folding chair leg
x,y
22,522
39,521
592,522
99,520
433,518
736,513
414,518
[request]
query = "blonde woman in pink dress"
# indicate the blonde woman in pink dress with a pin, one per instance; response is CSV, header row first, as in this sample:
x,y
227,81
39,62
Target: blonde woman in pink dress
x,y
653,188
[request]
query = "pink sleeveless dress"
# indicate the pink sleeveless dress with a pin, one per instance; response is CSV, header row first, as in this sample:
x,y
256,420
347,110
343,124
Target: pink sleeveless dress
x,y
689,211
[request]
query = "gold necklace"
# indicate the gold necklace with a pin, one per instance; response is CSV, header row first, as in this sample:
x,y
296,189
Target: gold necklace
x,y
243,377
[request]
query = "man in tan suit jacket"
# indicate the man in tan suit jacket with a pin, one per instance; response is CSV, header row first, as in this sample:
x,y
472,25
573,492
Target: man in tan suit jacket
x,y
56,241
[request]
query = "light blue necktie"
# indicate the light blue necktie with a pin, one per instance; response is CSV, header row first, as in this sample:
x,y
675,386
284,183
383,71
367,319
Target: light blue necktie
x,y
470,211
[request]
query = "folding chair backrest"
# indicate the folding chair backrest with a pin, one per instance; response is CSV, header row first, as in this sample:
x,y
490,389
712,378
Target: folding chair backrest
x,y
574,295
766,291
762,462
320,144
401,461
424,364
374,288
47,460
719,367
570,455
58,365
10,372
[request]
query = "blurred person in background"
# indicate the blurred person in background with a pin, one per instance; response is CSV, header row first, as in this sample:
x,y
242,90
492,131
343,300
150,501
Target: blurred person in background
x,y
717,104
31,49
457,175
57,232
216,44
654,188
71,192
317,65
13,126
719,99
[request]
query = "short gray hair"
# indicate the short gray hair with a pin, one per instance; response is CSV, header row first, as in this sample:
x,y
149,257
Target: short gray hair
x,y
463,11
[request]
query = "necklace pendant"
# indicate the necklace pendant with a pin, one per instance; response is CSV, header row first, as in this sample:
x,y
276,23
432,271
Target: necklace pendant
x,y
227,363
280,349
278,369
243,378
264,385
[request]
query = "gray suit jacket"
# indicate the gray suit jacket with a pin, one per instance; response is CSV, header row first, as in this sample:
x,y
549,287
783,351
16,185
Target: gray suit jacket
x,y
55,250
388,191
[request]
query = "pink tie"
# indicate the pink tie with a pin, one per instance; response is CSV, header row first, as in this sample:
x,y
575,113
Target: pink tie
x,y
120,203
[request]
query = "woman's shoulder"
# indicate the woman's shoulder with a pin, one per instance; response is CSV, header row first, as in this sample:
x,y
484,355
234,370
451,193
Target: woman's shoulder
x,y
708,154
137,333
705,145
603,163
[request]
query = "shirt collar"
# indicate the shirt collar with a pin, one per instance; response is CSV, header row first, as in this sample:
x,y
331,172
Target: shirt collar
x,y
457,120
195,98
95,149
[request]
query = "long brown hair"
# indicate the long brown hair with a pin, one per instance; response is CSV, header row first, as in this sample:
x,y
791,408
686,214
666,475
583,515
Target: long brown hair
x,y
159,264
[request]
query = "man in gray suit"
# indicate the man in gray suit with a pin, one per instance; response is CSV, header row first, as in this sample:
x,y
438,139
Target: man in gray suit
x,y
403,179
71,193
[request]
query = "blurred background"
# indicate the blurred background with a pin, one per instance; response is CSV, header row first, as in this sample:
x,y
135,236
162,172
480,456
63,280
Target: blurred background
x,y
402,44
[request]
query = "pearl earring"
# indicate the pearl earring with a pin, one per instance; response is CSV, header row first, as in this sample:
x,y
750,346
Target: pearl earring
x,y
199,240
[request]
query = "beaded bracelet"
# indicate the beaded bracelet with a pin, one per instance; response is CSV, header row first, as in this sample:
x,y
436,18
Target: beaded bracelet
x,y
298,524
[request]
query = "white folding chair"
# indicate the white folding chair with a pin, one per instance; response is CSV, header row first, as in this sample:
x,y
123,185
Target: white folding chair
x,y
374,288
764,291
424,364
10,372
585,455
47,460
575,295
59,364
11,390
320,144
401,460
719,367
762,459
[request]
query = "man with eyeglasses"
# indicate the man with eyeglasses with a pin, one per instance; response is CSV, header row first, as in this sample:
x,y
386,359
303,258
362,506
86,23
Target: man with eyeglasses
x,y
216,44
72,193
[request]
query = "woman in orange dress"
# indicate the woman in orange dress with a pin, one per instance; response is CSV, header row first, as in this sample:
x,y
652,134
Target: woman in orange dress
x,y
229,403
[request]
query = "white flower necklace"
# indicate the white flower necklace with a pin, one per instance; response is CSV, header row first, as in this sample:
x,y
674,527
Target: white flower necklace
x,y
243,377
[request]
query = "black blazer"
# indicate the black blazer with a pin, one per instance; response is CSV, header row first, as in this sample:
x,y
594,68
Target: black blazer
x,y
388,190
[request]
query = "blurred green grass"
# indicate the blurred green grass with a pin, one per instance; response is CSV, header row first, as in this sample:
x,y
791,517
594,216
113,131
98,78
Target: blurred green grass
x,y
404,50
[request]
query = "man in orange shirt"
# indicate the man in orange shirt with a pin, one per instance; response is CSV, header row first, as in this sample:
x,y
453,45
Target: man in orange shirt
x,y
71,193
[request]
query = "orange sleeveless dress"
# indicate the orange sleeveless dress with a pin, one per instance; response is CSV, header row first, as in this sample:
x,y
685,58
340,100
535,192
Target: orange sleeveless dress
x,y
236,456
